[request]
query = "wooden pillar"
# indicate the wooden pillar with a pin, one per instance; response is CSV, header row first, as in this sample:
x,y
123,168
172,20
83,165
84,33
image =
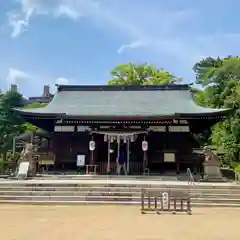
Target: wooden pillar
x,y
128,146
177,165
118,146
166,146
195,166
167,137
118,154
109,154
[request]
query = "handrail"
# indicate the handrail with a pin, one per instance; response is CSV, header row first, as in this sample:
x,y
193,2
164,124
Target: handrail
x,y
237,176
190,177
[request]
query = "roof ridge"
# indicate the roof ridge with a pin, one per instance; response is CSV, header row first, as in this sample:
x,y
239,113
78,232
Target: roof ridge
x,y
122,87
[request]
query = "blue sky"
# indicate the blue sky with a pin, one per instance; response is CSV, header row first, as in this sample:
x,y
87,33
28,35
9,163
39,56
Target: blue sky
x,y
81,41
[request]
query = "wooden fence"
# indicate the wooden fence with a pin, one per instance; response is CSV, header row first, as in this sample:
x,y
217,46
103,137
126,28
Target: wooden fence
x,y
167,201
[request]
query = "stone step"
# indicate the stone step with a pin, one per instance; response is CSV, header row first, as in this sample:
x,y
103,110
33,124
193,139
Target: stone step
x,y
154,184
113,177
116,189
30,202
109,184
73,175
108,193
108,198
118,184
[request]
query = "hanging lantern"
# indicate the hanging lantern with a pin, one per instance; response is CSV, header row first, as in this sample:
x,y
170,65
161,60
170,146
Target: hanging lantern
x,y
144,146
92,145
111,139
124,138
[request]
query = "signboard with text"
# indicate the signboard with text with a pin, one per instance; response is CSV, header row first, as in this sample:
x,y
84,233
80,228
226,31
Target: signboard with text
x,y
80,160
23,169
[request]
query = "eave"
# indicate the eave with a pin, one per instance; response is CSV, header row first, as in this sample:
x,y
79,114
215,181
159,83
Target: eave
x,y
213,115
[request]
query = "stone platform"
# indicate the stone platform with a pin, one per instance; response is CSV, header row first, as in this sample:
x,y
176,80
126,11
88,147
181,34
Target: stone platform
x,y
112,190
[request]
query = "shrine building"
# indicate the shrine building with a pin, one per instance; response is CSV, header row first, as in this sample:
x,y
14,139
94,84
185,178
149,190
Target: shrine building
x,y
154,125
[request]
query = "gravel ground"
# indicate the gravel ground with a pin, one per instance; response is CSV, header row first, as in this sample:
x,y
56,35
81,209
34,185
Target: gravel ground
x,y
22,222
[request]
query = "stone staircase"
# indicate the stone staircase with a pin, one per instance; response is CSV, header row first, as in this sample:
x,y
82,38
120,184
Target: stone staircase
x,y
90,191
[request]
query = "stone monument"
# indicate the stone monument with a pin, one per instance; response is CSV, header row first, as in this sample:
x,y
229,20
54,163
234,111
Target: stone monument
x,y
27,156
212,172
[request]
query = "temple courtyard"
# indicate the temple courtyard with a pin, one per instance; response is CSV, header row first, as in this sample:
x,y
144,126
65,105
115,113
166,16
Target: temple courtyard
x,y
35,222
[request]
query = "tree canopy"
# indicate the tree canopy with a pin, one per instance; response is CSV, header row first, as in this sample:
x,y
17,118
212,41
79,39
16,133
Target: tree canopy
x,y
35,105
11,124
141,74
221,81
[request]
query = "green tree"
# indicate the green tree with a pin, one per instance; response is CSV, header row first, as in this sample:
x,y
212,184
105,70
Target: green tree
x,y
141,74
219,77
11,124
221,81
35,105
205,68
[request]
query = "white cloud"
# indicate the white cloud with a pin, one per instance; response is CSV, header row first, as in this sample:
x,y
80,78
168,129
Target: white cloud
x,y
18,25
31,84
62,81
160,29
16,76
113,16
19,20
135,44
156,30
156,27
73,9
67,11
59,81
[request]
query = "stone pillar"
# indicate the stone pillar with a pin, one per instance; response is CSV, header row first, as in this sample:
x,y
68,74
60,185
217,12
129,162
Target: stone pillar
x,y
27,156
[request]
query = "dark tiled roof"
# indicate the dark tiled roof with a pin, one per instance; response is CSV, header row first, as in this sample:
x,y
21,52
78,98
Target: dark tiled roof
x,y
123,101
